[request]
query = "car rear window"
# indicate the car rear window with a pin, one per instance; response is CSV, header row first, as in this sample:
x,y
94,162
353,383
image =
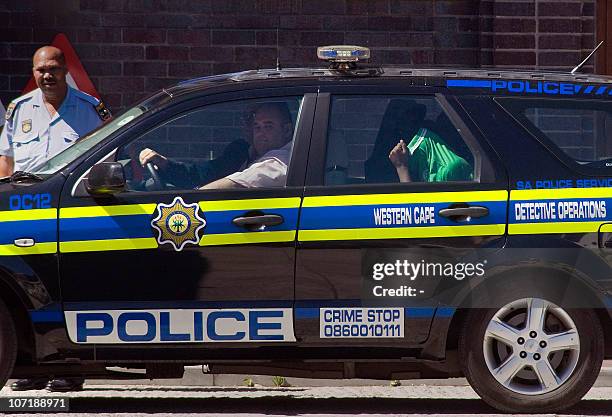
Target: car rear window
x,y
579,129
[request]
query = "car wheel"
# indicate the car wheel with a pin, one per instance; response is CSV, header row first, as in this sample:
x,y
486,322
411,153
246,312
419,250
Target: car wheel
x,y
8,344
531,355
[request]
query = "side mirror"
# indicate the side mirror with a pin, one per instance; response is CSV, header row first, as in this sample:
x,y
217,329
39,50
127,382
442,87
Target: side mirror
x,y
105,178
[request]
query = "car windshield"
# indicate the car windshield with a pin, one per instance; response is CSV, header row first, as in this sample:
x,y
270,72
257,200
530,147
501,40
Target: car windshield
x,y
84,144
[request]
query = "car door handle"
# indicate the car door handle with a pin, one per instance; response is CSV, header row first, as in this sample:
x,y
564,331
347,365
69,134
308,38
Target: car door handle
x,y
464,214
259,222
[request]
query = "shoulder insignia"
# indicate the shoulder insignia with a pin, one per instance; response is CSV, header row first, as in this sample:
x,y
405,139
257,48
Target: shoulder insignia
x,y
9,111
103,112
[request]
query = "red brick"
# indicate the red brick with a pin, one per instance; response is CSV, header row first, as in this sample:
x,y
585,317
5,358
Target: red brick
x,y
371,39
189,69
514,25
324,7
256,22
301,22
225,67
87,51
233,37
164,20
367,6
422,57
106,35
23,50
16,34
211,54
456,7
17,66
588,26
560,26
569,59
485,24
265,37
321,38
515,42
469,24
513,9
122,52
412,7
189,6
514,58
456,57
233,6
172,53
486,41
189,37
278,7
122,20
560,8
120,84
558,42
77,19
143,35
259,57
96,68
146,68
28,19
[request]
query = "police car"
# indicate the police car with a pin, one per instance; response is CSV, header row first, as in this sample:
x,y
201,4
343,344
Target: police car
x,y
415,224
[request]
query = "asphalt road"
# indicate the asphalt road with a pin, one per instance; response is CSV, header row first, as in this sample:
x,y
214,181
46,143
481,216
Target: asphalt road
x,y
416,400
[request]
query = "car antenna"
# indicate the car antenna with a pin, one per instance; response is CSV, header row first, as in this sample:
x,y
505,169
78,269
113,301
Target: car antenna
x,y
577,67
278,65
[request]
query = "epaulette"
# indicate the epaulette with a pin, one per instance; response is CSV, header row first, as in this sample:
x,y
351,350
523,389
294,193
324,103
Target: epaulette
x,y
103,112
99,106
10,110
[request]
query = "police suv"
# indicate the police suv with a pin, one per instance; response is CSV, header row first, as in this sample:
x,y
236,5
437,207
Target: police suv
x,y
340,222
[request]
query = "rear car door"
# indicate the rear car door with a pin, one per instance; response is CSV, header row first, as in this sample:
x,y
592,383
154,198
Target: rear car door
x,y
358,220
174,264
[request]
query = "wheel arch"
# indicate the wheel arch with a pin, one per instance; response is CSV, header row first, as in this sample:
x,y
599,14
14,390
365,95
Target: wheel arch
x,y
17,304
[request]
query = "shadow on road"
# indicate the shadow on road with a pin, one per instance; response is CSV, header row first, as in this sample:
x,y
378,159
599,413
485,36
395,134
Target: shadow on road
x,y
293,406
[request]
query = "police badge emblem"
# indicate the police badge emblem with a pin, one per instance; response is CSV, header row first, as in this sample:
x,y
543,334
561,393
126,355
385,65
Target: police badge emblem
x,y
178,223
26,126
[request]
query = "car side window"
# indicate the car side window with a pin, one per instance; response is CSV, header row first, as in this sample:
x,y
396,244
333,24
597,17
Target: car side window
x,y
392,139
238,144
580,130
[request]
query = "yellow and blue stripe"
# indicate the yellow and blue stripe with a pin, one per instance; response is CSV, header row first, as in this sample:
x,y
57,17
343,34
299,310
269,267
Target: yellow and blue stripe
x,y
125,227
37,224
557,225
351,217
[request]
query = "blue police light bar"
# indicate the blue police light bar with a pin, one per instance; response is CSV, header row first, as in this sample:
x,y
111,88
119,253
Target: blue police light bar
x,y
343,53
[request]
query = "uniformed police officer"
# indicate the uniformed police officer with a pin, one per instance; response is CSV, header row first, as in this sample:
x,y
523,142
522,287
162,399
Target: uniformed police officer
x,y
47,120
2,113
39,125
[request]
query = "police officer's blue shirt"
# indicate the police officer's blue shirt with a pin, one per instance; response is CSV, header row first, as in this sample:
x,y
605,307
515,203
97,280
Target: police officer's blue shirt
x,y
31,135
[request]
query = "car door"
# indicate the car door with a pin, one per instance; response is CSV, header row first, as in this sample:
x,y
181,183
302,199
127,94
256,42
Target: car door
x,y
358,220
172,264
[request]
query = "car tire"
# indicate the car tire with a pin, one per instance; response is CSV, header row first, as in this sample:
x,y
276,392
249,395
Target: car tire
x,y
531,391
8,344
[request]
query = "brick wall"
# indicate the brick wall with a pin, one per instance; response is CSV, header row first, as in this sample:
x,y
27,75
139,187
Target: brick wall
x,y
133,47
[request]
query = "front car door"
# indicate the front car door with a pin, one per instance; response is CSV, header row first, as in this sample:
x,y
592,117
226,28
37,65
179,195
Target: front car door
x,y
167,263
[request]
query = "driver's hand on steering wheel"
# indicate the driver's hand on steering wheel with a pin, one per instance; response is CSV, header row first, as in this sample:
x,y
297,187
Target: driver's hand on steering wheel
x,y
149,155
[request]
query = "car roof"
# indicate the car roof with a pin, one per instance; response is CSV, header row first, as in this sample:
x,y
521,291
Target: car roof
x,y
425,76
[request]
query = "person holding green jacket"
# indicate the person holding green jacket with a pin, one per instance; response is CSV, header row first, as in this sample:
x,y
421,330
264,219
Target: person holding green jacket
x,y
427,158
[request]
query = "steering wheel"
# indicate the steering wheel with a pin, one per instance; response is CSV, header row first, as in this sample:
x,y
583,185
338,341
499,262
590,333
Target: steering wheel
x,y
157,182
